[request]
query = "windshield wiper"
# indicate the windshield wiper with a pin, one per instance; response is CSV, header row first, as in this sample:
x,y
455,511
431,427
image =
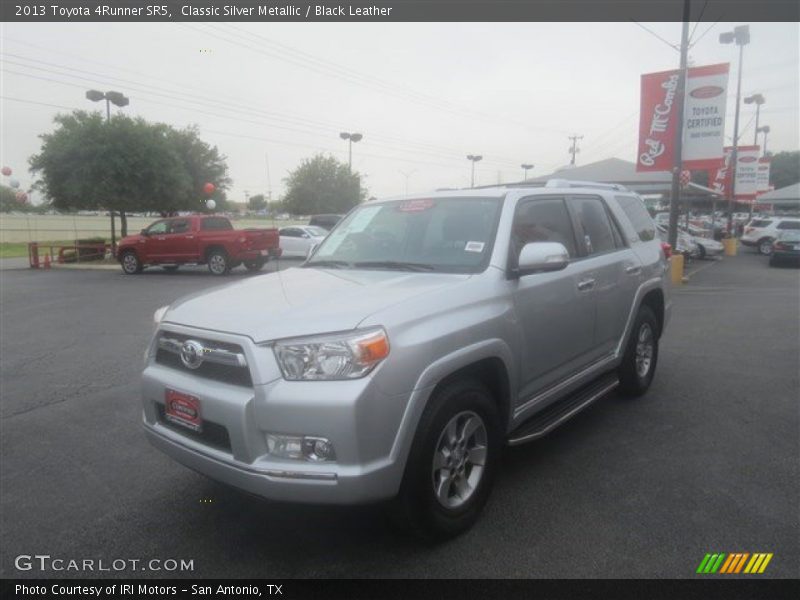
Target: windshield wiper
x,y
395,265
330,264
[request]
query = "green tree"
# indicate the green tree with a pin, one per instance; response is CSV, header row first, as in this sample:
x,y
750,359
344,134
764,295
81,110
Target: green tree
x,y
9,202
784,169
125,165
257,202
322,184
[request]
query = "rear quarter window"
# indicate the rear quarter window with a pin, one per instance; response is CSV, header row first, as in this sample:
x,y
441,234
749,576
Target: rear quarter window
x,y
637,214
215,224
759,223
789,225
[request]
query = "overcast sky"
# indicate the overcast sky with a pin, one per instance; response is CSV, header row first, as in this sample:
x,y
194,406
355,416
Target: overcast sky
x,y
423,95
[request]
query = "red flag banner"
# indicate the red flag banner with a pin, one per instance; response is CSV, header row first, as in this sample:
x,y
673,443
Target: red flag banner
x,y
657,121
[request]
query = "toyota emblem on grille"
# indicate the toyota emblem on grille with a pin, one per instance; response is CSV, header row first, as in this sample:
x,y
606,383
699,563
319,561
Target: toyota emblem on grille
x,y
192,354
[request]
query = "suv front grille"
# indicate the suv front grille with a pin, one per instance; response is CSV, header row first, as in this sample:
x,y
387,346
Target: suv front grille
x,y
213,434
220,361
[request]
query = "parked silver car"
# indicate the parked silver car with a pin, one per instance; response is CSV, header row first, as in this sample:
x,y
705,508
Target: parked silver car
x,y
418,339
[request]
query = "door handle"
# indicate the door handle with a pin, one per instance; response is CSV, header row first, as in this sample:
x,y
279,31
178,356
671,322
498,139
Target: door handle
x,y
633,270
586,284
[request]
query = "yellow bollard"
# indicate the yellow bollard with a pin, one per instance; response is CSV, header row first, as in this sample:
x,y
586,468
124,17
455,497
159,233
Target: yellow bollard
x,y
676,269
730,246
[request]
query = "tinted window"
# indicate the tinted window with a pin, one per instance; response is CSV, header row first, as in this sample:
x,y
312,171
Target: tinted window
x,y
597,235
290,232
216,223
639,217
158,227
542,221
789,225
317,231
181,226
759,223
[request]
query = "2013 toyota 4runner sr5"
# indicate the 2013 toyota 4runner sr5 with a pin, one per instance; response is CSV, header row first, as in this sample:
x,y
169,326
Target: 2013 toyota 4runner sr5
x,y
416,341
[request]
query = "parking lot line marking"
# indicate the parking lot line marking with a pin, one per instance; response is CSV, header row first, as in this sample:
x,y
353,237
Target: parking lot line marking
x,y
698,269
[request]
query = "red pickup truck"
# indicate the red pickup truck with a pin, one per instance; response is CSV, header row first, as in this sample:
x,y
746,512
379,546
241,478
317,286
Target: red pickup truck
x,y
198,239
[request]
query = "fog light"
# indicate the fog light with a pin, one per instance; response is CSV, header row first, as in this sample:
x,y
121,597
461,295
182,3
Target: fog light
x,y
293,447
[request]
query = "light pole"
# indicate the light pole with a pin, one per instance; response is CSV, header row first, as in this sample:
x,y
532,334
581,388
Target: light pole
x,y
765,131
351,139
117,99
758,100
407,174
525,168
741,37
473,158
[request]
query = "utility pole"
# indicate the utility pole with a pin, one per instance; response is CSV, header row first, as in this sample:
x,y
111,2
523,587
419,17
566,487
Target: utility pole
x,y
574,150
407,174
677,165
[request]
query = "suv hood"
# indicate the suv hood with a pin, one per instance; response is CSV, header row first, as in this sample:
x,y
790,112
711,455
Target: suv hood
x,y
302,301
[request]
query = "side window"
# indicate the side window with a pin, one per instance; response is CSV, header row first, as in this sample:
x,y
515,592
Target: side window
x,y
215,224
596,229
181,226
290,232
545,220
158,228
639,217
788,225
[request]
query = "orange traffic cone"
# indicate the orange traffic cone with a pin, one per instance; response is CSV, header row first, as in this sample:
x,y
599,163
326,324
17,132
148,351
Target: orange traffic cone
x,y
47,261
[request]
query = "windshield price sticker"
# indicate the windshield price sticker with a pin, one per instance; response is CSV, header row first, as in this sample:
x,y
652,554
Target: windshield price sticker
x,y
474,247
416,205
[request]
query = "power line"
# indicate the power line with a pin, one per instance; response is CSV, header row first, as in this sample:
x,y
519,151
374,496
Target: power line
x,y
654,34
714,24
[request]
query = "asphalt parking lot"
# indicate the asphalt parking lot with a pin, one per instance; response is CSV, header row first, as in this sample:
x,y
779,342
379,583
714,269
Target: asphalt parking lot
x,y
706,462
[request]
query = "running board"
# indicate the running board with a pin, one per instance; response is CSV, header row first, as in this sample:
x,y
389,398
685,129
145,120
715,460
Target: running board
x,y
554,415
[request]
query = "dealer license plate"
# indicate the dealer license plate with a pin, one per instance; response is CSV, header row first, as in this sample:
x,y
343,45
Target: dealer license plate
x,y
183,410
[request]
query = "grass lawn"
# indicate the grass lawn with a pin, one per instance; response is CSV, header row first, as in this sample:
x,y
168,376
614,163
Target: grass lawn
x,y
17,249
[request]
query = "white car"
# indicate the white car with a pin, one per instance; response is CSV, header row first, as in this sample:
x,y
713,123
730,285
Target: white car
x,y
685,245
706,247
761,232
296,241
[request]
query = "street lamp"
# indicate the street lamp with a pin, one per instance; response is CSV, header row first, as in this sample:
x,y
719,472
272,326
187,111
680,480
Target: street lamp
x,y
351,139
741,37
765,131
117,99
473,158
758,100
525,168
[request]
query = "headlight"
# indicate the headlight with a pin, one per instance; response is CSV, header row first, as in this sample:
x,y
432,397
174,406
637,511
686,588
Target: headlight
x,y
159,314
334,356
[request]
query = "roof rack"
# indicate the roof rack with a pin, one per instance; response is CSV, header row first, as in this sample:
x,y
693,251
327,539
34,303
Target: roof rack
x,y
566,183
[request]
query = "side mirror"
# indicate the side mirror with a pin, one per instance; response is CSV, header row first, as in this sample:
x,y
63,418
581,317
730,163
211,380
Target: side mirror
x,y
144,232
311,249
542,256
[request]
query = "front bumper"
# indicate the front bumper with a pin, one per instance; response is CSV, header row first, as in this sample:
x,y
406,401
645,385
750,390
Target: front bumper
x,y
360,421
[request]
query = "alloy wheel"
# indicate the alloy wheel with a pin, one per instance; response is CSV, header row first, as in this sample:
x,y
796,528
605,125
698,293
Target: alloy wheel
x,y
459,459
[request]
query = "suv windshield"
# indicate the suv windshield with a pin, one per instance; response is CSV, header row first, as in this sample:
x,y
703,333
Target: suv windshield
x,y
453,235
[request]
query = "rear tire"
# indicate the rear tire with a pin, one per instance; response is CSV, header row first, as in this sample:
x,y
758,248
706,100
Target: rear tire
x,y
452,463
255,265
218,263
641,355
130,263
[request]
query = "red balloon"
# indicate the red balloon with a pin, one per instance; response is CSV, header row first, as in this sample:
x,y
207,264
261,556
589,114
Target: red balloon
x,y
6,171
21,197
209,188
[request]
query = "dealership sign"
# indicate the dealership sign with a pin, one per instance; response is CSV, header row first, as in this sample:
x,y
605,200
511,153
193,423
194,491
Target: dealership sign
x,y
747,169
762,178
703,118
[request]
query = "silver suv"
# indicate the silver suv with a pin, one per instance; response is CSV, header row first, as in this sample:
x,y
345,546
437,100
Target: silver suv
x,y
421,336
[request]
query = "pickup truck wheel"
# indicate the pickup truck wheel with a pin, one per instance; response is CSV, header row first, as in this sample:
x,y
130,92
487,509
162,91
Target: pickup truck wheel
x,y
218,262
255,265
639,363
451,467
131,265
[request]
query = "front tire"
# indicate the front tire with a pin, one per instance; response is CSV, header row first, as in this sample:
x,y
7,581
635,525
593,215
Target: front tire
x,y
218,263
130,263
641,355
765,246
452,463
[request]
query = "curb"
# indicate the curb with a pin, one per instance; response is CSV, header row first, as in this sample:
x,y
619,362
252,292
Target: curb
x,y
84,267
